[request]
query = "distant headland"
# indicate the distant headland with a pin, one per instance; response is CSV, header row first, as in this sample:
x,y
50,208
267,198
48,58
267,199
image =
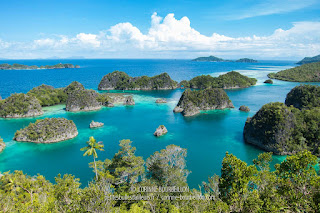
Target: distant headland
x,y
212,58
308,60
35,67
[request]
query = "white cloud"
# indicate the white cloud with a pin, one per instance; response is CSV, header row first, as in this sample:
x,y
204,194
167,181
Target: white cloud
x,y
171,37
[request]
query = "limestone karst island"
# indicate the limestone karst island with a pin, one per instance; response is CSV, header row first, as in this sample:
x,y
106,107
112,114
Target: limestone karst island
x,y
160,106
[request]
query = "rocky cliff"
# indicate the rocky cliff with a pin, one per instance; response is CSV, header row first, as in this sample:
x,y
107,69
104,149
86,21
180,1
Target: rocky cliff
x,y
82,100
121,81
2,145
191,102
20,105
47,130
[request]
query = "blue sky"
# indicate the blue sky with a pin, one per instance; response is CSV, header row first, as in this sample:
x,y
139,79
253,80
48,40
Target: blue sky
x,y
271,29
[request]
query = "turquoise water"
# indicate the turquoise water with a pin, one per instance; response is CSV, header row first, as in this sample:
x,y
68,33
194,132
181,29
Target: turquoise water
x,y
206,136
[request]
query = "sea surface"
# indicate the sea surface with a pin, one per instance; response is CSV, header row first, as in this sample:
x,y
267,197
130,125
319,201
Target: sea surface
x,y
207,137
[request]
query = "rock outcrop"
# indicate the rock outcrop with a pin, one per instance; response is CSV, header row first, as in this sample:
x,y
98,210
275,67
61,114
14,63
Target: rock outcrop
x,y
2,145
191,102
82,100
268,81
161,101
47,130
20,105
161,130
244,108
94,124
121,81
129,101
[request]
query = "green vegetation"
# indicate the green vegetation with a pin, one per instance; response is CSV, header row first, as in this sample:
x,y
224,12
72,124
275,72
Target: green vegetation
x,y
121,81
226,81
34,67
210,58
90,149
48,95
304,73
20,105
287,129
268,81
47,130
246,60
294,186
304,97
307,60
74,86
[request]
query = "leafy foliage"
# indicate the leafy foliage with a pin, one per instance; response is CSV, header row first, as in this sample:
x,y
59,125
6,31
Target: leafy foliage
x,y
292,187
226,81
48,95
304,73
304,96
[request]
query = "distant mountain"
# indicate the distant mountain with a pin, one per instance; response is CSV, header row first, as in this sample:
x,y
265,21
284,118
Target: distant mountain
x,y
246,60
307,60
212,58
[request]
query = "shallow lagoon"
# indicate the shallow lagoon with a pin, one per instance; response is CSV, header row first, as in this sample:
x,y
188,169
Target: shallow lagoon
x,y
206,136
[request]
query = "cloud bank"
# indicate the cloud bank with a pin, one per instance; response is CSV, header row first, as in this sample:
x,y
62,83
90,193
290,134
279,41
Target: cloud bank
x,y
169,37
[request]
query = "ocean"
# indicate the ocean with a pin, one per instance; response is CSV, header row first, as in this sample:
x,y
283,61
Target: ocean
x,y
207,137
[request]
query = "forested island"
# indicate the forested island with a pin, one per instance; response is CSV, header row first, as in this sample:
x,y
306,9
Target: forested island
x,y
230,80
286,129
122,81
48,130
212,58
305,73
308,60
191,102
34,67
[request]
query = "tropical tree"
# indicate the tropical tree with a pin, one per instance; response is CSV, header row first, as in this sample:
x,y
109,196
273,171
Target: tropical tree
x,y
91,148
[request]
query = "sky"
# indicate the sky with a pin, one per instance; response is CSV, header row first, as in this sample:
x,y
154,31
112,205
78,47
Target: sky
x,y
168,29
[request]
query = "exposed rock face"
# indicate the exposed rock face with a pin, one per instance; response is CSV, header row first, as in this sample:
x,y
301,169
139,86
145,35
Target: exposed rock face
x,y
2,145
20,105
161,101
82,100
191,102
161,130
129,101
177,109
244,108
96,124
271,128
190,109
77,66
121,81
47,130
268,81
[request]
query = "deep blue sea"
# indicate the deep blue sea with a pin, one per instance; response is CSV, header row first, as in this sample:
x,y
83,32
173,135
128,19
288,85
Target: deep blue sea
x,y
207,137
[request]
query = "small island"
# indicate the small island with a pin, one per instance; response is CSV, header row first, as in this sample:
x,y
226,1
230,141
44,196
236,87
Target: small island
x,y
230,80
246,60
94,124
2,145
20,105
48,95
268,81
212,58
121,81
308,60
244,108
35,67
191,102
49,130
161,130
304,73
286,129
